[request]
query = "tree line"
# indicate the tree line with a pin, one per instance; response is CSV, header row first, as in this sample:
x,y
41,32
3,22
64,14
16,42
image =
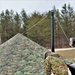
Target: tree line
x,y
12,23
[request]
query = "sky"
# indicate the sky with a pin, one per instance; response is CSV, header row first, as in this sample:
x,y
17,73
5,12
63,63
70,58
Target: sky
x,y
30,6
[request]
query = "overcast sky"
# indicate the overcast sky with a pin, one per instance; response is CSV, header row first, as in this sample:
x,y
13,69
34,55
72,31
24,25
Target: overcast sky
x,y
33,5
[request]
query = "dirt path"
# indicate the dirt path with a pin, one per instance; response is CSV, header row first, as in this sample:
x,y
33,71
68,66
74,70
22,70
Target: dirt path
x,y
70,54
66,52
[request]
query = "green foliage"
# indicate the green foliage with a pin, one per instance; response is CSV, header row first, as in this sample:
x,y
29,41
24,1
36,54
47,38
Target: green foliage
x,y
24,18
41,32
12,23
67,14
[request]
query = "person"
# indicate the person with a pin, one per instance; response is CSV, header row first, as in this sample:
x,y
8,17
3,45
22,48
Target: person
x,y
53,63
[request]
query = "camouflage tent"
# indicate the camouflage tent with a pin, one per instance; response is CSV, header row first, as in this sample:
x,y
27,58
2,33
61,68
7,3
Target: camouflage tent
x,y
21,56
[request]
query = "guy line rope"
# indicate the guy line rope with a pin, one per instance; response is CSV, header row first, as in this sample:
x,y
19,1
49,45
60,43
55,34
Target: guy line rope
x,y
62,29
34,25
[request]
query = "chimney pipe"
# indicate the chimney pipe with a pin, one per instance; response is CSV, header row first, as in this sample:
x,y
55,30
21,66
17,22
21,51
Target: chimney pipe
x,y
52,31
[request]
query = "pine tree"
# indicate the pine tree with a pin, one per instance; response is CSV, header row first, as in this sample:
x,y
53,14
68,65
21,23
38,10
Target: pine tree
x,y
17,23
24,24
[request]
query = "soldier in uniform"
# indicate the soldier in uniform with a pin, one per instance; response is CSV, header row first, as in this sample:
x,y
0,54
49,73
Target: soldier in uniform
x,y
54,63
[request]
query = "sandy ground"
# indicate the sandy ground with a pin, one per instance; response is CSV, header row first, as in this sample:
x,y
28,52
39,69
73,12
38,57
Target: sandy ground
x,y
66,52
70,54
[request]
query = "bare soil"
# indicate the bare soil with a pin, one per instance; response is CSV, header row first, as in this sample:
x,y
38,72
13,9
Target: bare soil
x,y
70,54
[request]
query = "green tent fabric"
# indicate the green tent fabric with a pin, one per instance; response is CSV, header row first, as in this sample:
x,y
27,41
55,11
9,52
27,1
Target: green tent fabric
x,y
21,56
